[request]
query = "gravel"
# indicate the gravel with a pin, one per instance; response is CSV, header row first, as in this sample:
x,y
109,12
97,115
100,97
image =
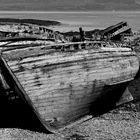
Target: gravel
x,y
120,124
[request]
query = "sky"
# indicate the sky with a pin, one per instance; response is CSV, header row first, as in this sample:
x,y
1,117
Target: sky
x,y
84,5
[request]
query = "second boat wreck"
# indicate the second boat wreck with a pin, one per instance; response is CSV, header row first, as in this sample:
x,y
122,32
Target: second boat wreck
x,y
66,81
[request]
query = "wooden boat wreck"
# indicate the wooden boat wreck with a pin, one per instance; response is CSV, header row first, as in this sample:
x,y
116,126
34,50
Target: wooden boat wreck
x,y
66,81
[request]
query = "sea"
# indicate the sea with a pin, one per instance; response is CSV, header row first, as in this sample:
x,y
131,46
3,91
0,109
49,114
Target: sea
x,y
72,20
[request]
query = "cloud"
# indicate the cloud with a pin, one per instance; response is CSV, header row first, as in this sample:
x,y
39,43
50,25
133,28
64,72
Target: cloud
x,y
137,1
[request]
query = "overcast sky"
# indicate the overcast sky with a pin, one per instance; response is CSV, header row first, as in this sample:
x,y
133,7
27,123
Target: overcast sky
x,y
42,5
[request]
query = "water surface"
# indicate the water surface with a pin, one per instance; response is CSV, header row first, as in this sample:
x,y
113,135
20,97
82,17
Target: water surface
x,y
73,20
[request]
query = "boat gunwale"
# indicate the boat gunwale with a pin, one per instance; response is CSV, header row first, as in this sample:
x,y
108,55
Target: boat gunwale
x,y
54,46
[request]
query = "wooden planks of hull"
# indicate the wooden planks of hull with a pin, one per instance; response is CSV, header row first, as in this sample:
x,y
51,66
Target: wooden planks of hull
x,y
63,85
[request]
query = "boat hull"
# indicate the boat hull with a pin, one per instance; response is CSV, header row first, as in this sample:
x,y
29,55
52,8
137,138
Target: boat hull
x,y
63,86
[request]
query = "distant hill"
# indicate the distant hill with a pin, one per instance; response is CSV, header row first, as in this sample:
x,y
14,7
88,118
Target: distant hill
x,y
47,5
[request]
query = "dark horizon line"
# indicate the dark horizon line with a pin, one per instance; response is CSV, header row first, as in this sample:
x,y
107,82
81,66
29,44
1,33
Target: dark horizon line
x,y
69,10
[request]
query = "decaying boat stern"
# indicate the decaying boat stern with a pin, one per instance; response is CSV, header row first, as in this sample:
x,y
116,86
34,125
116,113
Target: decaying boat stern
x,y
64,82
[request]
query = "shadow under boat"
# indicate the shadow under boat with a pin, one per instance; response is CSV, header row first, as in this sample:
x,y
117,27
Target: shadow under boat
x,y
15,111
111,97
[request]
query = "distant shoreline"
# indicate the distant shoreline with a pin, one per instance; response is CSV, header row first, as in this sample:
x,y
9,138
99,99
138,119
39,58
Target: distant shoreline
x,y
70,11
30,21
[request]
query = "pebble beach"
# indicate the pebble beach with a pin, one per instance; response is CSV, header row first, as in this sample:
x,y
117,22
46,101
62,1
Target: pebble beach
x,y
119,124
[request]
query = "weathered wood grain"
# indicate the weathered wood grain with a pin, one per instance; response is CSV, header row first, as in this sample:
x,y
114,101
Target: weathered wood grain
x,y
63,85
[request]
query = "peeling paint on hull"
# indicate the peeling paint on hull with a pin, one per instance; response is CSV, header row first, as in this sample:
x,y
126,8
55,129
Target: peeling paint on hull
x,y
63,86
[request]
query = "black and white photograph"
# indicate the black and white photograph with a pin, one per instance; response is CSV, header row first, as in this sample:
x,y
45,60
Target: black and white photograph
x,y
69,69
